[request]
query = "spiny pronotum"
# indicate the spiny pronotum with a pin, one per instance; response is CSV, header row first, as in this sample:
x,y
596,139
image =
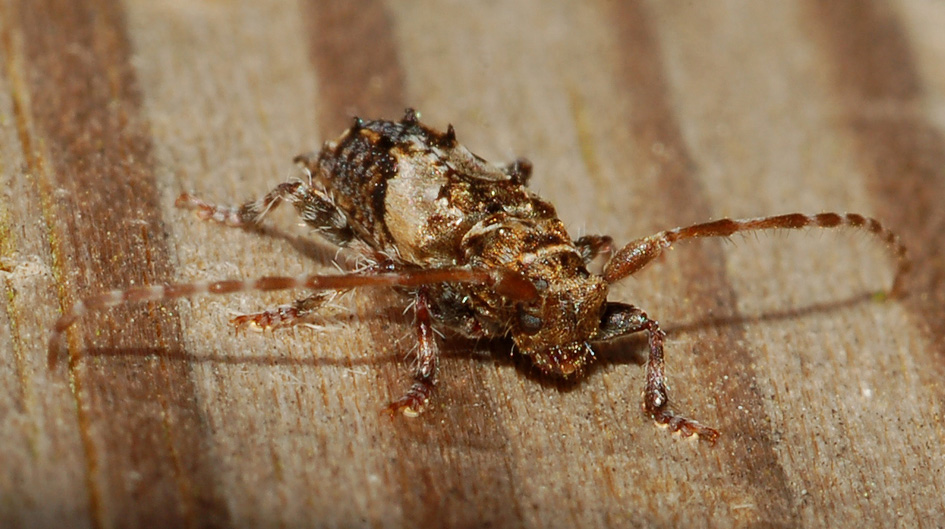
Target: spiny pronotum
x,y
471,245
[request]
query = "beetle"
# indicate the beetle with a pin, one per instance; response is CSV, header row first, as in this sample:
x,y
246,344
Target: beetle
x,y
475,249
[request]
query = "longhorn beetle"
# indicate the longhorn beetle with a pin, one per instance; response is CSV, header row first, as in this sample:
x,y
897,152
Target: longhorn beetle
x,y
475,249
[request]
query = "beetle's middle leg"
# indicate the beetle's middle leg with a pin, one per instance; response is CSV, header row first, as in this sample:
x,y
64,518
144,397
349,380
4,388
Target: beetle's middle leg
x,y
416,398
284,315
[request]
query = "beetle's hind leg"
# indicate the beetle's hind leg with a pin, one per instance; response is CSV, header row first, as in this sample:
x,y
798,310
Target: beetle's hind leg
x,y
315,207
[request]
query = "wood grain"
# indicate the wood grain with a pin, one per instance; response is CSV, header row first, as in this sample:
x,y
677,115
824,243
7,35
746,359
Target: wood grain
x,y
638,116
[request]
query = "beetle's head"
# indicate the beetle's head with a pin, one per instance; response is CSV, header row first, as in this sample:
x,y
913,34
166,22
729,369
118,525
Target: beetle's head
x,y
555,330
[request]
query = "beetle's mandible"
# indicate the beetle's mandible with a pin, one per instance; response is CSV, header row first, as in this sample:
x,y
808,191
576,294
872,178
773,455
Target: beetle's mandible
x,y
475,249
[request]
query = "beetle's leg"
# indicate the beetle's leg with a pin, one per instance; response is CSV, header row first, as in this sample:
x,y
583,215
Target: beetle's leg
x,y
314,207
620,320
416,398
592,246
640,252
283,315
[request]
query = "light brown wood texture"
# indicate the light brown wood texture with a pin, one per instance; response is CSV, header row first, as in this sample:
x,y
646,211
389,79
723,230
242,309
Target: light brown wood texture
x,y
638,116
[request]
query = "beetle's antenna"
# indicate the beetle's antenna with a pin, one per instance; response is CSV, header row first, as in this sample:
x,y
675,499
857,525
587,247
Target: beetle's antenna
x,y
634,256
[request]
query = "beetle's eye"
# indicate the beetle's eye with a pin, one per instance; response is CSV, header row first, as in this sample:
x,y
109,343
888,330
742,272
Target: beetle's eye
x,y
529,323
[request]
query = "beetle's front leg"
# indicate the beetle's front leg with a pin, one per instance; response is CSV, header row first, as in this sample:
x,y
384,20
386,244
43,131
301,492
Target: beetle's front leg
x,y
620,320
416,398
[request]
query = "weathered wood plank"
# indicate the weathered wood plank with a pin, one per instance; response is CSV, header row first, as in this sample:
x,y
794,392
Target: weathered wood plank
x,y
638,115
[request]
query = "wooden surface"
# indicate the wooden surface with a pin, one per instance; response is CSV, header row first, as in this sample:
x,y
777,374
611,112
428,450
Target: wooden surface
x,y
638,116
